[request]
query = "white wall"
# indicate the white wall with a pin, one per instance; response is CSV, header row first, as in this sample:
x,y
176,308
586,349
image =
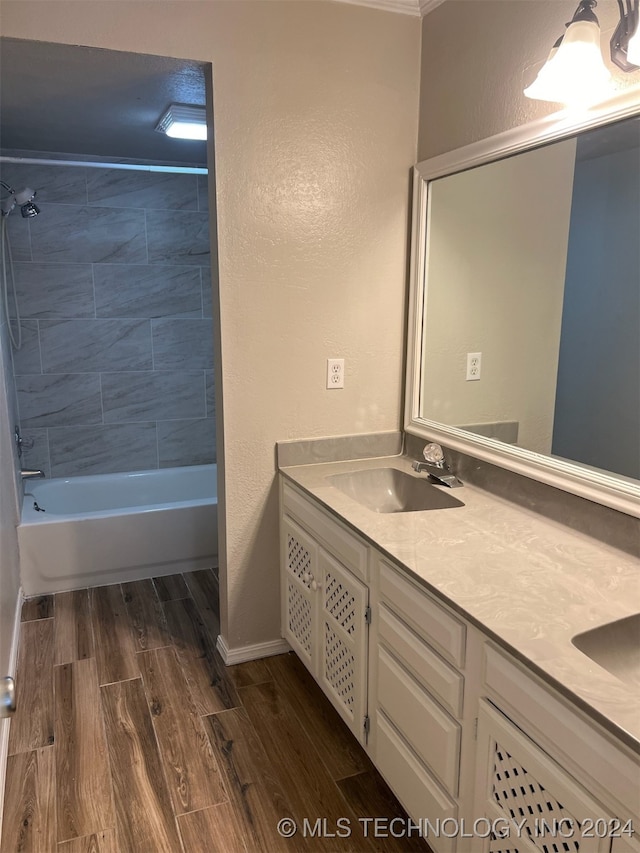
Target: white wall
x,y
495,283
315,109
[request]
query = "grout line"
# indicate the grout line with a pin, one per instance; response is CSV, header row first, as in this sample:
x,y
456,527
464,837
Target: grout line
x,y
122,680
39,346
154,649
93,287
30,621
228,801
102,422
146,235
351,776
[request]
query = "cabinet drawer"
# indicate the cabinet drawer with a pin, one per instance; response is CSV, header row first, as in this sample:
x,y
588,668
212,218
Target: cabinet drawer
x,y
430,731
420,795
336,538
442,680
427,618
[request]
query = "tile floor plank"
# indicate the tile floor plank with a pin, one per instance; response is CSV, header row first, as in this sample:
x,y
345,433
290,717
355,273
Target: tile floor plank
x,y
304,779
146,615
369,796
251,672
210,685
334,742
171,587
114,643
29,810
83,779
73,631
250,780
273,734
144,819
214,830
203,586
191,771
99,842
39,607
32,724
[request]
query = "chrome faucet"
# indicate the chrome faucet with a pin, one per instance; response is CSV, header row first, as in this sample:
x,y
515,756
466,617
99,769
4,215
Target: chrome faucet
x,y
436,466
31,473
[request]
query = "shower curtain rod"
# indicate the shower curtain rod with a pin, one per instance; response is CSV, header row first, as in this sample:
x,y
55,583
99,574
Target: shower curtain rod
x,y
35,161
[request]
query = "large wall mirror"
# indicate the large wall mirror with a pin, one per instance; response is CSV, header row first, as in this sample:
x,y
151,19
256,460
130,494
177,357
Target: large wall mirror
x,y
525,327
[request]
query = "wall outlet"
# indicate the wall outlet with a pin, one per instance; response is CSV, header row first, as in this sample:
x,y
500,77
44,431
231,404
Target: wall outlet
x,y
335,373
474,364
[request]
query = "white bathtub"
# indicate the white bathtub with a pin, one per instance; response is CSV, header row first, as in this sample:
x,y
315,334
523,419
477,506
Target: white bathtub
x,y
117,527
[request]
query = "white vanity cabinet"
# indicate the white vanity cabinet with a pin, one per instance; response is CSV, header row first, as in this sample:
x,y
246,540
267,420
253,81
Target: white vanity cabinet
x,y
468,737
421,734
325,603
544,773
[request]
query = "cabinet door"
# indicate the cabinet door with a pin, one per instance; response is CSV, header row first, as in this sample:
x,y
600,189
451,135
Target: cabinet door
x,y
299,562
343,638
532,802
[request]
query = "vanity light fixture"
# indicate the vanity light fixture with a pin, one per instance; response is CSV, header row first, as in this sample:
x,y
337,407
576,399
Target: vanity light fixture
x,y
575,73
184,121
625,42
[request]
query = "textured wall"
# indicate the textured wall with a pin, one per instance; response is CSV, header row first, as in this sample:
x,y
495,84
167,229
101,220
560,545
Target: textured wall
x,y
315,132
116,368
479,55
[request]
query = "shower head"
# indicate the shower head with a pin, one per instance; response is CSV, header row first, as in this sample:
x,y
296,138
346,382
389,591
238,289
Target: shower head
x,y
22,197
29,209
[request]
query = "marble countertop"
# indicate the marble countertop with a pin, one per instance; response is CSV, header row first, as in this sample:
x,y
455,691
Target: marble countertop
x,y
530,583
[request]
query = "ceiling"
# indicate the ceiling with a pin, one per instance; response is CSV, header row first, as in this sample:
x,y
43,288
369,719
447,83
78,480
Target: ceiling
x,y
90,103
85,101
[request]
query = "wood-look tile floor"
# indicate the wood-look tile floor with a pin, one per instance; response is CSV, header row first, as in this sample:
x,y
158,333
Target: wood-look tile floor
x,y
131,736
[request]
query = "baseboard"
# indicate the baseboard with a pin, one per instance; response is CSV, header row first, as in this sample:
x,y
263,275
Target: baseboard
x,y
4,723
252,652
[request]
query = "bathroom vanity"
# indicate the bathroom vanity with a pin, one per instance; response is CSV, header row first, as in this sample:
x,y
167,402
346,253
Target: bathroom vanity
x,y
465,639
443,637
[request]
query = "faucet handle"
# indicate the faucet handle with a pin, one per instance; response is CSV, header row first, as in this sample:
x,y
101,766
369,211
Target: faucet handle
x,y
434,454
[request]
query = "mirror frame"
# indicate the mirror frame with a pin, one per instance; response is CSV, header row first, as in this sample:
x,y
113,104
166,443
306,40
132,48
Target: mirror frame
x,y
619,493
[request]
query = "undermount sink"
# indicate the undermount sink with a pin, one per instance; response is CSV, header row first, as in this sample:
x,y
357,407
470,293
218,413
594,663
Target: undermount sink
x,y
615,647
390,490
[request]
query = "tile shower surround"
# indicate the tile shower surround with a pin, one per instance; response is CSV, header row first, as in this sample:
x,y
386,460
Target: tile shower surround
x,y
113,281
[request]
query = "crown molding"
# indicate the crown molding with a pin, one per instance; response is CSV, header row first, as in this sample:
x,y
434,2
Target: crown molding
x,y
416,8
427,6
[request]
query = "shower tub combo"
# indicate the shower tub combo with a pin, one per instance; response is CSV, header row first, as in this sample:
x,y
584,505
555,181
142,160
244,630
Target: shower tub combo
x,y
89,531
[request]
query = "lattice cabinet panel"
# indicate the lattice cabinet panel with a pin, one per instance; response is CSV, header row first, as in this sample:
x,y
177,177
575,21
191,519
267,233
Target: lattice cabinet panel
x,y
343,661
300,558
521,787
340,667
300,618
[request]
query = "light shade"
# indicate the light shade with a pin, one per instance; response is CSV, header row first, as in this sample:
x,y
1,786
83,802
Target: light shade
x,y
183,121
575,73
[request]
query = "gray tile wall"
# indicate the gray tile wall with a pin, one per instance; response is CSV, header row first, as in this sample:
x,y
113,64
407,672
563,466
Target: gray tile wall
x,y
114,288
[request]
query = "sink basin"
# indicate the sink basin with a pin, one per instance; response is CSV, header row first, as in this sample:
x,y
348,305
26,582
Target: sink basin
x,y
615,647
390,490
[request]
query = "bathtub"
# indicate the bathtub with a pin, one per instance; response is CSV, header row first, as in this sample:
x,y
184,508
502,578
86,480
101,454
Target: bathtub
x,y
113,528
